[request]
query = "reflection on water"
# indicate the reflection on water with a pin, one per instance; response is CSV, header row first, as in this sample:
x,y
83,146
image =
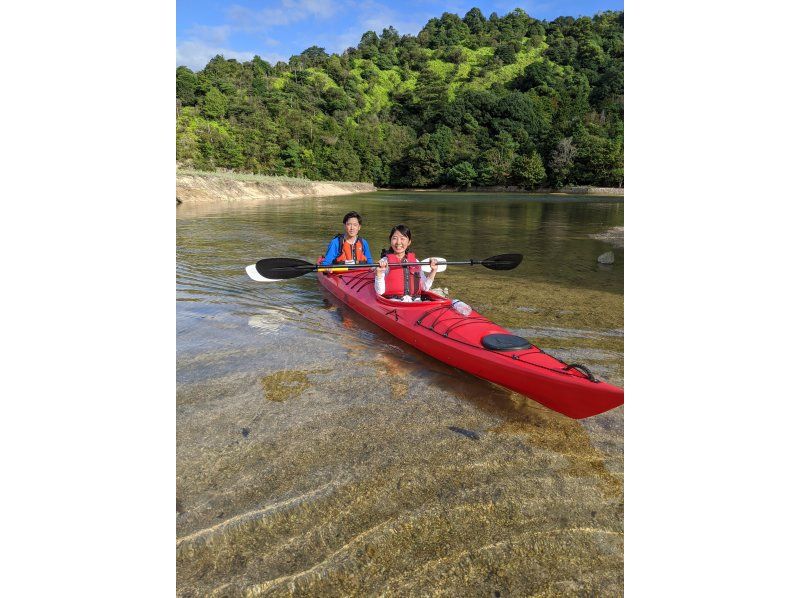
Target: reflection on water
x,y
318,455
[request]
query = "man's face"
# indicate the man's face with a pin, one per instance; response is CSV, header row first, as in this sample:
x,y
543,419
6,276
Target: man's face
x,y
351,227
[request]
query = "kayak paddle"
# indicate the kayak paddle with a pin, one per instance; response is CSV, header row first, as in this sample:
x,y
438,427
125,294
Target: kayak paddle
x,y
283,268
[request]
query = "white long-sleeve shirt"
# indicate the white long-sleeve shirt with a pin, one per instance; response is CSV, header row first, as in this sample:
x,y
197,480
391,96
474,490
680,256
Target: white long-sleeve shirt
x,y
424,283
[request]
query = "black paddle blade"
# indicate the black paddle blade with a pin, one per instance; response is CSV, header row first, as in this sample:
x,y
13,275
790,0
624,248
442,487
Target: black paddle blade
x,y
507,261
281,268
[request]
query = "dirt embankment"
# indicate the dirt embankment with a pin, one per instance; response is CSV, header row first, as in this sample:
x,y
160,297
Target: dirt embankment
x,y
206,188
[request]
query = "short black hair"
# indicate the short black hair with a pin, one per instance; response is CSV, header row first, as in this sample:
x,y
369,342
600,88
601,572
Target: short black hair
x,y
402,229
350,215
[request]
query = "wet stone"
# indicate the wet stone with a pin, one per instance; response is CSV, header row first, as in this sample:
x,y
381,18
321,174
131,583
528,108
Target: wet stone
x,y
606,258
468,433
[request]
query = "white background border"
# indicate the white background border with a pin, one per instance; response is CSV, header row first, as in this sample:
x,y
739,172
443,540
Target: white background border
x,y
711,301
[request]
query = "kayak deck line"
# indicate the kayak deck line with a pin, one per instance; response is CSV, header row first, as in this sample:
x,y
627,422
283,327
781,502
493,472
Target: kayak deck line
x,y
435,328
474,318
518,356
443,307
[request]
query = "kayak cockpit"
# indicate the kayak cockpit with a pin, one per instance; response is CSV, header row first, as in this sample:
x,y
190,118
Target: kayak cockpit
x,y
428,299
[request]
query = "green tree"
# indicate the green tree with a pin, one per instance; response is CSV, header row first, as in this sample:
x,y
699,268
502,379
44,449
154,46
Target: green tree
x,y
499,160
368,46
431,96
530,170
218,147
185,85
506,53
515,24
292,157
561,161
462,174
215,104
314,56
424,166
475,20
598,159
336,69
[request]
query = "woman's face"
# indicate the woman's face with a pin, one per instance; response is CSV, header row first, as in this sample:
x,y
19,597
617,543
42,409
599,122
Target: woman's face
x,y
351,227
399,242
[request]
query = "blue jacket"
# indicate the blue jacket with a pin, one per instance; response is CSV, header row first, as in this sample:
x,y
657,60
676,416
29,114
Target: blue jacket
x,y
334,251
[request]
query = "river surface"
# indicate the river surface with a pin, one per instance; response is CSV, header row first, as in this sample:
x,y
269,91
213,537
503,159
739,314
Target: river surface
x,y
318,455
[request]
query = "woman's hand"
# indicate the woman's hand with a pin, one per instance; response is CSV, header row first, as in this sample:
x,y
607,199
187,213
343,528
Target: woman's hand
x,y
434,267
383,266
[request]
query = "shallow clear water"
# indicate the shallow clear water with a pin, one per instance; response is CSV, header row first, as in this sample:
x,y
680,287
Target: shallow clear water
x,y
317,454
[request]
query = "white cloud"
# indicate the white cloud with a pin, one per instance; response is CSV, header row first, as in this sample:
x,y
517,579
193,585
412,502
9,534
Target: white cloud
x,y
348,39
247,19
369,15
375,16
211,34
203,42
533,9
291,11
273,57
196,54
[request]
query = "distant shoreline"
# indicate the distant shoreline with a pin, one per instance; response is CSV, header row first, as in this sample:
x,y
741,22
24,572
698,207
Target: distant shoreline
x,y
198,187
585,190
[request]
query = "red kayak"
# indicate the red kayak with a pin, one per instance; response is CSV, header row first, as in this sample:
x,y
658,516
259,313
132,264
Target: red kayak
x,y
477,345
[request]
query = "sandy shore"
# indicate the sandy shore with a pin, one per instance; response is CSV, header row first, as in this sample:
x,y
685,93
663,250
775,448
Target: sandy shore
x,y
211,187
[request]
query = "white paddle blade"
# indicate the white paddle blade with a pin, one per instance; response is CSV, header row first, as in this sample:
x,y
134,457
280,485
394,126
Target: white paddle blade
x,y
440,262
253,273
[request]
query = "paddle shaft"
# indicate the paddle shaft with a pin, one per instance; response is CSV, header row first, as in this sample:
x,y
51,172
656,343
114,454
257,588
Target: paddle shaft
x,y
285,268
403,265
357,266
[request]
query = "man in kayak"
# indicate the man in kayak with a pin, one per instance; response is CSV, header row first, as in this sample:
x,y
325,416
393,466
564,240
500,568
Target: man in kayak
x,y
403,284
348,248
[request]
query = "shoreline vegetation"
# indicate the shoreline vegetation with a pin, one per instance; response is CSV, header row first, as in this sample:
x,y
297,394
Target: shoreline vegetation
x,y
195,186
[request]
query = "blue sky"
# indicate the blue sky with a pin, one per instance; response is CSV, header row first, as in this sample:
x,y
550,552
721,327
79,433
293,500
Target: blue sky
x,y
277,29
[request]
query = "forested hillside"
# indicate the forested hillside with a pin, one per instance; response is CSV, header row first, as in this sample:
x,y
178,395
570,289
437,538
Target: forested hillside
x,y
506,100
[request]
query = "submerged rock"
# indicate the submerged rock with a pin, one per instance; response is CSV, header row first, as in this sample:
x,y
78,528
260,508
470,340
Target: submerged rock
x,y
614,235
606,258
468,433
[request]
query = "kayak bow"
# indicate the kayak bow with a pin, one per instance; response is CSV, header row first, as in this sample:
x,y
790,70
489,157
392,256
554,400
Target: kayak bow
x,y
477,345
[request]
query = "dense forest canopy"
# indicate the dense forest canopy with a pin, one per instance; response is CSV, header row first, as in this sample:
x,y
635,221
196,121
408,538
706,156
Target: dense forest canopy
x,y
481,100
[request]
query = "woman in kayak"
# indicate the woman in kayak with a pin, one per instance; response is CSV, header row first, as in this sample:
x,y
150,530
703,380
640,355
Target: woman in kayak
x,y
348,248
404,284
